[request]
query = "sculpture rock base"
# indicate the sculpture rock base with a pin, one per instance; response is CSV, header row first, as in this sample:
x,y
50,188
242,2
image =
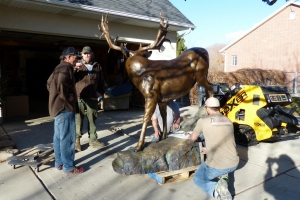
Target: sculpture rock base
x,y
190,123
167,155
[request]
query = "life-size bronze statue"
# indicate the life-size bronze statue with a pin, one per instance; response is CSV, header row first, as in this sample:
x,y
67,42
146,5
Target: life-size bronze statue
x,y
161,81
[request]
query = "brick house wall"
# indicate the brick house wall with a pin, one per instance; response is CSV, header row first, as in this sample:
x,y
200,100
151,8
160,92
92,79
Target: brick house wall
x,y
274,44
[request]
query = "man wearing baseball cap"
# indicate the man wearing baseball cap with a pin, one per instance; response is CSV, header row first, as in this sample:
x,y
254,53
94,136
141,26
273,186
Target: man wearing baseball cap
x,y
62,106
220,150
89,84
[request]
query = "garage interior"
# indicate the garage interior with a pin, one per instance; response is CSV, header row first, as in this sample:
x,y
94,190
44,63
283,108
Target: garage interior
x,y
28,59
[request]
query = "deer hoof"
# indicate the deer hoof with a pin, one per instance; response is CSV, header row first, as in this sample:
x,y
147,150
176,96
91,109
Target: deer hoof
x,y
134,149
138,149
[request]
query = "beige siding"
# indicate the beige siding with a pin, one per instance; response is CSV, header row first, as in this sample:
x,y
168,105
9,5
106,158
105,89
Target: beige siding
x,y
14,19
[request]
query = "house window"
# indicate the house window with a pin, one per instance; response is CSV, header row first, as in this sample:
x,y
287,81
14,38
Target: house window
x,y
234,60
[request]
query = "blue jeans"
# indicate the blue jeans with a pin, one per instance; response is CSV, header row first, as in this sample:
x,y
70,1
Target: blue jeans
x,y
205,175
64,140
154,139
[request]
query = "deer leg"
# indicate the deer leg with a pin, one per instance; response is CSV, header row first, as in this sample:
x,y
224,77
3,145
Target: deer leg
x,y
202,80
150,105
163,113
209,92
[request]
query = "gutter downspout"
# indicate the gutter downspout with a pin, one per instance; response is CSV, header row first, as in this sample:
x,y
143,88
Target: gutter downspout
x,y
184,34
181,36
223,53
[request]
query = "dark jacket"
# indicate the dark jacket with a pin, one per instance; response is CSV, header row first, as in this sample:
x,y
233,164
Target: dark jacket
x,y
61,84
88,83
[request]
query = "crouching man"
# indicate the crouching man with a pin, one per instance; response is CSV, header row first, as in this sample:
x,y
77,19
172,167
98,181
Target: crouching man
x,y
222,158
173,120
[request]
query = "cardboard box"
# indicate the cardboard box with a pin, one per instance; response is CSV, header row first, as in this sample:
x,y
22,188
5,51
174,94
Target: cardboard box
x,y
115,103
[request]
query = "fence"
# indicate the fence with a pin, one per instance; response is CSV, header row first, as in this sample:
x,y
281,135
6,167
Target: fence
x,y
292,81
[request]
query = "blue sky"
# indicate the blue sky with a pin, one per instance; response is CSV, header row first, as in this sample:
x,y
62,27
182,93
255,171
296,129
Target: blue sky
x,y
222,21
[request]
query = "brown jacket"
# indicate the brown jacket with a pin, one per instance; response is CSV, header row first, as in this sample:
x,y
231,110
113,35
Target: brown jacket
x,y
87,84
61,84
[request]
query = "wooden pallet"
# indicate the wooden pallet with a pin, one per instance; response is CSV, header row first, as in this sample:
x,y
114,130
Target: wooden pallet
x,y
164,178
34,157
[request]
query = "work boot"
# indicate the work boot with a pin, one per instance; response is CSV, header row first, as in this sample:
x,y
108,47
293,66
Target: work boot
x,y
225,177
77,145
96,144
222,190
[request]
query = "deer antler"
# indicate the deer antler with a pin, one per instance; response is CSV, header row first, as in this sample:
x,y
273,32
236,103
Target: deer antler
x,y
160,38
103,28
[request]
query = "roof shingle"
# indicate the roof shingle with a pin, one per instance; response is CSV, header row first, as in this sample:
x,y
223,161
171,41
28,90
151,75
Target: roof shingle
x,y
137,7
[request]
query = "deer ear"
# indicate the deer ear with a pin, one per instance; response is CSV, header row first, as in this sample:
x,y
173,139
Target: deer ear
x,y
147,54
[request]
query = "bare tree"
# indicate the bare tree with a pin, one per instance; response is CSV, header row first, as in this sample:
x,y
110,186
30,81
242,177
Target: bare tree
x,y
216,59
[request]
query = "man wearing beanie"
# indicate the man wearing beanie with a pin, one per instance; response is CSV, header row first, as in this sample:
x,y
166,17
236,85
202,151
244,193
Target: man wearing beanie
x,y
220,150
89,87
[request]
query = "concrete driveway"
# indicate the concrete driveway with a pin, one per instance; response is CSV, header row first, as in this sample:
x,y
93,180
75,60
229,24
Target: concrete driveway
x,y
266,171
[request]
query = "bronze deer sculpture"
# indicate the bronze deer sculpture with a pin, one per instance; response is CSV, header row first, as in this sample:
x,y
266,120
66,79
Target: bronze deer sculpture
x,y
161,81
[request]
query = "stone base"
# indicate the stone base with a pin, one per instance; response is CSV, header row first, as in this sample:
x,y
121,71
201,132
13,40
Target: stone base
x,y
190,123
167,155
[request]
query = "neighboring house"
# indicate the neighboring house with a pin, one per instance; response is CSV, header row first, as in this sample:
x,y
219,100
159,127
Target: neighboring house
x,y
272,44
33,34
